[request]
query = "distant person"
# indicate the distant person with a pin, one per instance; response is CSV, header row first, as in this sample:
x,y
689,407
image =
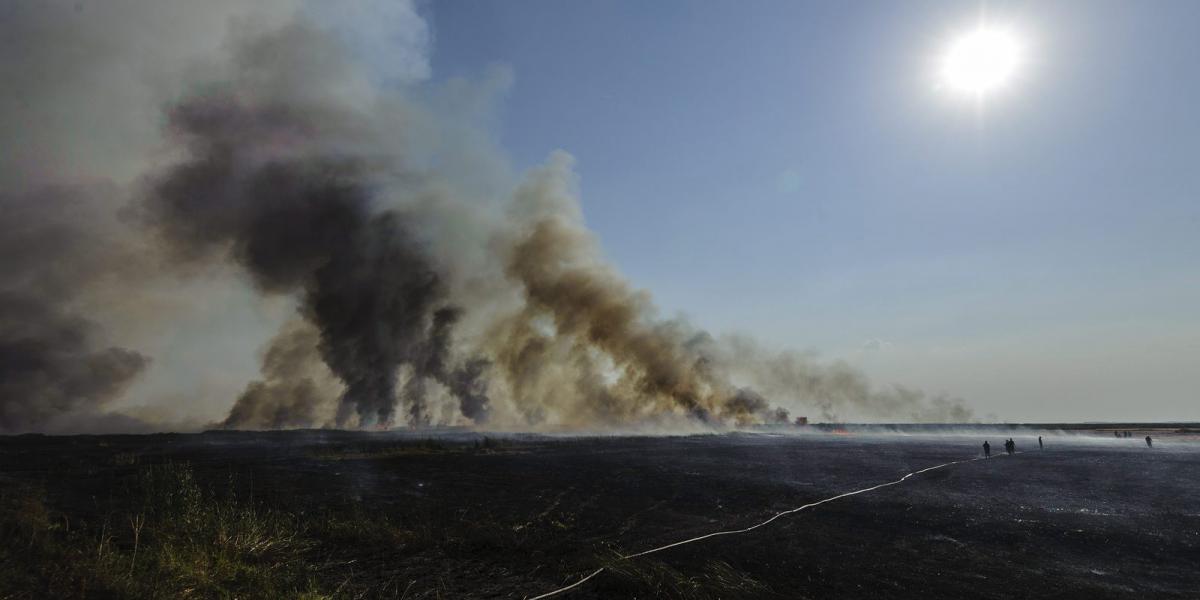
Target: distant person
x,y
1040,446
987,449
1149,442
1009,446
1116,434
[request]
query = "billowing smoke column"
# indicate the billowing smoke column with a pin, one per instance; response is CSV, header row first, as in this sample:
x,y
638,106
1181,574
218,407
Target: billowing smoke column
x,y
465,382
608,328
327,191
292,393
583,328
264,180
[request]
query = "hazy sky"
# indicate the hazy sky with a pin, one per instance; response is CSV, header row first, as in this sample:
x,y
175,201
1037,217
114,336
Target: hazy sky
x,y
792,170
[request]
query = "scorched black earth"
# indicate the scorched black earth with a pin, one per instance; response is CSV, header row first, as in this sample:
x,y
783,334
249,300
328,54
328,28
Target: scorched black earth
x,y
463,515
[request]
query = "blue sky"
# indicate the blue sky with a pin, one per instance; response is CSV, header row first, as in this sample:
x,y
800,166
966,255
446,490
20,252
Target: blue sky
x,y
790,170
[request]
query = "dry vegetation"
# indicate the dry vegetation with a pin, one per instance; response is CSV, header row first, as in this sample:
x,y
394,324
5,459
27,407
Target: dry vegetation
x,y
176,540
164,532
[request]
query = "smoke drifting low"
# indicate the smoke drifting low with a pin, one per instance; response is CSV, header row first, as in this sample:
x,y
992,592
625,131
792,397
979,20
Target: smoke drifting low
x,y
283,158
51,365
54,364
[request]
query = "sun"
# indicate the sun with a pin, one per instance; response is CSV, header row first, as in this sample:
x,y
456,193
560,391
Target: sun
x,y
981,62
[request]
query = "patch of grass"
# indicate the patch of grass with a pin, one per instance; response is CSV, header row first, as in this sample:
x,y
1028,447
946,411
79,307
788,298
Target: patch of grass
x,y
180,541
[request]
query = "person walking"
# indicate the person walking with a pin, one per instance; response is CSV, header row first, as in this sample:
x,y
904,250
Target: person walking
x,y
987,449
1149,443
1040,446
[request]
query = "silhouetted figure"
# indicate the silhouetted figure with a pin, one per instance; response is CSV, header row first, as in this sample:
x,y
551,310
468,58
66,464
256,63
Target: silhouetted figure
x,y
1040,446
1010,446
1149,443
987,449
1116,434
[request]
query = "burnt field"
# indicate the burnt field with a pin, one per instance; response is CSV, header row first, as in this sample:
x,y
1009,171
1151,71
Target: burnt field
x,y
338,514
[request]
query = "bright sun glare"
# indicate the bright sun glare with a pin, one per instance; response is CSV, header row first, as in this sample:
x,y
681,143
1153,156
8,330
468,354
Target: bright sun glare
x,y
981,61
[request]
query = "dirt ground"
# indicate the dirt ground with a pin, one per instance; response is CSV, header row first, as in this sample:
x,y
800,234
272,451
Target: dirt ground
x,y
516,516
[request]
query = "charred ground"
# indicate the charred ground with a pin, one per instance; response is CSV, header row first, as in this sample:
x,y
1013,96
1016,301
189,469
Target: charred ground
x,y
339,514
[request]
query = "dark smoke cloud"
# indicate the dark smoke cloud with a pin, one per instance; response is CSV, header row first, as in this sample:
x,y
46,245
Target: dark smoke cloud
x,y
270,182
77,120
51,364
53,361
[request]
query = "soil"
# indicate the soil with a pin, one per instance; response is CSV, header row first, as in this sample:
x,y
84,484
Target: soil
x,y
514,516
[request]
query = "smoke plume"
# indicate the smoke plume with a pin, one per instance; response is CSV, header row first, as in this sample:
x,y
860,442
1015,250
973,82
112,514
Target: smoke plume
x,y
280,187
295,386
429,286
54,362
